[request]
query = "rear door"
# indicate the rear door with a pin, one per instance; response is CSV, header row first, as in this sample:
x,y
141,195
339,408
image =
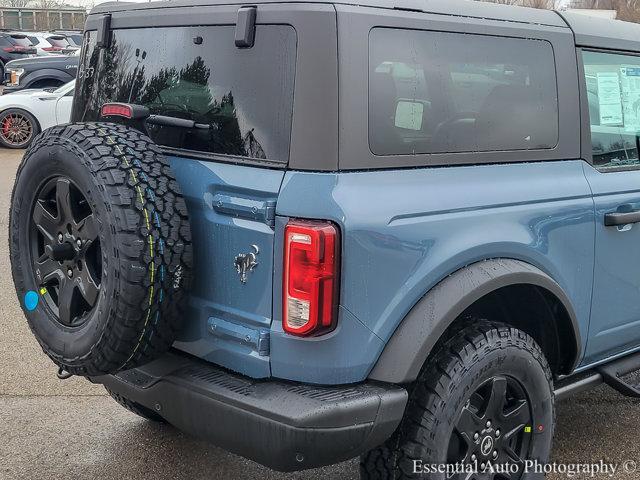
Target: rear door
x,y
612,89
230,173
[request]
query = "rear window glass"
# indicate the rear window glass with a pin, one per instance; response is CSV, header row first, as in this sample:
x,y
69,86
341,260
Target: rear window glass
x,y
245,96
21,40
58,41
436,92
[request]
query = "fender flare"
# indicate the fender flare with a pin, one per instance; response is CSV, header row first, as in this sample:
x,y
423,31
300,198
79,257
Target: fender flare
x,y
409,347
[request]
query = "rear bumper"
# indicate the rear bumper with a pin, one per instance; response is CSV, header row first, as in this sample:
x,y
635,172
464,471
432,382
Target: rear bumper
x,y
283,425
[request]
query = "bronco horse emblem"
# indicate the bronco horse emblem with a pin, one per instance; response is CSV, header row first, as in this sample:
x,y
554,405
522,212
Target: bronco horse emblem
x,y
245,263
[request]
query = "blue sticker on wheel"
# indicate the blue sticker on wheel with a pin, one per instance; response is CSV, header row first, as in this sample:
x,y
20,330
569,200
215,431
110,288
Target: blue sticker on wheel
x,y
31,300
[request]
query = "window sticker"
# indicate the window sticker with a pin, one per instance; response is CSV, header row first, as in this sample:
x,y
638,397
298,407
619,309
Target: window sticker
x,y
610,98
409,115
630,82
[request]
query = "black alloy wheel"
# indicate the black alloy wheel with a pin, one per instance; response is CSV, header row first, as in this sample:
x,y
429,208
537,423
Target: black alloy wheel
x,y
66,251
491,430
482,408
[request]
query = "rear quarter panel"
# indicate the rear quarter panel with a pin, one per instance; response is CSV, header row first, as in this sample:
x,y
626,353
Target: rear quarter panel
x,y
409,226
405,230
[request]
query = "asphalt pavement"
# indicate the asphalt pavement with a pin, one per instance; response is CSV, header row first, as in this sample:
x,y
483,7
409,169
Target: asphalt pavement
x,y
52,429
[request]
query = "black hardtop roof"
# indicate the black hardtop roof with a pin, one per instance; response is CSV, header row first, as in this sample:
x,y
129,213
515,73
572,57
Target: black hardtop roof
x,y
589,31
600,32
465,8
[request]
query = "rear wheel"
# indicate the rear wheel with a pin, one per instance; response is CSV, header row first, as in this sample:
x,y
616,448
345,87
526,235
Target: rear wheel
x,y
18,128
482,407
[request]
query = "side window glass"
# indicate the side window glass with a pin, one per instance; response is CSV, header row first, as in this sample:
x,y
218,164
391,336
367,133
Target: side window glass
x,y
613,92
439,92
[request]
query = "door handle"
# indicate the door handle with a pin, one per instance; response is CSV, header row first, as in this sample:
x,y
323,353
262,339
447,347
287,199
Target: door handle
x,y
614,219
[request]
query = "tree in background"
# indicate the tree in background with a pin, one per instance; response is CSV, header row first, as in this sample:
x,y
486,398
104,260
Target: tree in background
x,y
628,10
45,4
548,4
15,3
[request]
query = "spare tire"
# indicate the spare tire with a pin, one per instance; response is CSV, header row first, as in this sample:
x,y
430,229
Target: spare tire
x,y
100,247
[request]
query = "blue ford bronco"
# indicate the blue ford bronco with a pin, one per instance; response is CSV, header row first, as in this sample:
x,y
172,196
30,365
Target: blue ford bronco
x,y
308,231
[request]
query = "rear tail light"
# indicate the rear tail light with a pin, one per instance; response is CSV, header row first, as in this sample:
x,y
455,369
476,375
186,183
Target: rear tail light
x,y
52,49
311,277
116,110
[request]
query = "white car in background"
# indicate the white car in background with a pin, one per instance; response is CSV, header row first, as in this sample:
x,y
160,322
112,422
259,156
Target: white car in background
x,y
48,43
26,113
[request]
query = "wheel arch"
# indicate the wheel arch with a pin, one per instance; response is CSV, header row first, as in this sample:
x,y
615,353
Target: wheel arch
x,y
46,74
474,289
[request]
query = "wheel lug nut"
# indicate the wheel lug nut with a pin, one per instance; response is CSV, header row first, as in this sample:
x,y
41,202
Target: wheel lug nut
x,y
497,432
482,465
60,238
70,273
488,423
473,457
79,242
495,454
476,436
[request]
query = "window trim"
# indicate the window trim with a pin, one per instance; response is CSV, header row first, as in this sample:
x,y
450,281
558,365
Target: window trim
x,y
354,150
585,122
216,156
466,152
221,158
314,144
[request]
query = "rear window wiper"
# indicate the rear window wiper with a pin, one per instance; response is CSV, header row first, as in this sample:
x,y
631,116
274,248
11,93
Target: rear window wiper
x,y
165,121
142,113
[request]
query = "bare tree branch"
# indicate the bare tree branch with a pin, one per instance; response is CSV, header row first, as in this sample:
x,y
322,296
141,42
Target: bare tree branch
x,y
15,3
628,10
546,4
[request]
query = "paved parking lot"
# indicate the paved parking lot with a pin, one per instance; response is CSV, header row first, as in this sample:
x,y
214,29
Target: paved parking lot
x,y
51,429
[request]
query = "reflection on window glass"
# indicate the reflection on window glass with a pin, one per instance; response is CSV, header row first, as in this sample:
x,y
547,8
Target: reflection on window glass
x,y
197,73
435,92
613,91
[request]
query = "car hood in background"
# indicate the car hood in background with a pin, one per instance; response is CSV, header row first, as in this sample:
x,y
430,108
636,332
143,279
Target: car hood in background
x,y
16,97
49,61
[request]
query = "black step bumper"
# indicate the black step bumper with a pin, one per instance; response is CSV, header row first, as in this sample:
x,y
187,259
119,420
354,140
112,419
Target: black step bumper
x,y
283,425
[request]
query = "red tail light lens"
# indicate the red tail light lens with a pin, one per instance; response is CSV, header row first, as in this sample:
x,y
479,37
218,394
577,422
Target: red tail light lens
x,y
116,110
52,49
311,277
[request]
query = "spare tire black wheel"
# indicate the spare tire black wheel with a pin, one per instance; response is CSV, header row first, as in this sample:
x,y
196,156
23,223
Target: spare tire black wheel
x,y
100,247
